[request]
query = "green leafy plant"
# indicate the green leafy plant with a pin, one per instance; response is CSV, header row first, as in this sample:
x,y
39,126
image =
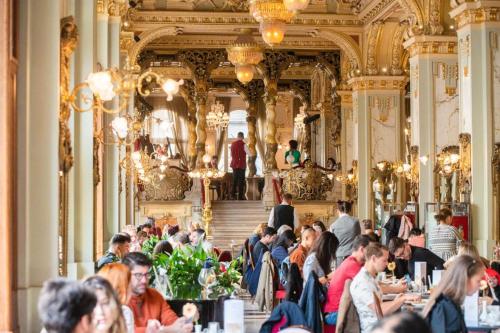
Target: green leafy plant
x,y
149,245
183,267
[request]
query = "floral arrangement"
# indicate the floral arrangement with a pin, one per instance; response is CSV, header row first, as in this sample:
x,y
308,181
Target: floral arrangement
x,y
177,275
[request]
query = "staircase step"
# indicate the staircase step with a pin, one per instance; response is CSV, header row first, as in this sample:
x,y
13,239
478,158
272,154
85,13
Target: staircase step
x,y
235,220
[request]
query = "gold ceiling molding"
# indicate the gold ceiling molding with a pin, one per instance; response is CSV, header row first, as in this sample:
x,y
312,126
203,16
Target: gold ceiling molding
x,y
371,12
346,43
378,83
189,41
225,73
473,13
144,19
420,45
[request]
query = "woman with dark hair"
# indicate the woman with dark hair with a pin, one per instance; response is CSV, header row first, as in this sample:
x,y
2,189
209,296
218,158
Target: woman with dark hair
x,y
321,257
319,227
164,247
107,316
444,239
292,156
280,249
346,228
443,311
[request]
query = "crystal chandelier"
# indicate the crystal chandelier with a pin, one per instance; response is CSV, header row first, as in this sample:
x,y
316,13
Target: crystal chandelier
x,y
296,5
217,118
272,16
244,54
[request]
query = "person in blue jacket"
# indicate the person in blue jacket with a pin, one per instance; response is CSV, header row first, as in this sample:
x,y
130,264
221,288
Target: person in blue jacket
x,y
443,311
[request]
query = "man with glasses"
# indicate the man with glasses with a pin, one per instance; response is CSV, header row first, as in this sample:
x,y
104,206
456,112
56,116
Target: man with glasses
x,y
147,304
411,254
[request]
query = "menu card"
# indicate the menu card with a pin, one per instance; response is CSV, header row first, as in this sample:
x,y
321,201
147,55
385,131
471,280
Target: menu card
x,y
471,310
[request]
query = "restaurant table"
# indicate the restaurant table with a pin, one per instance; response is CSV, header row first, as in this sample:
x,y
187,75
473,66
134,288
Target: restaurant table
x,y
210,310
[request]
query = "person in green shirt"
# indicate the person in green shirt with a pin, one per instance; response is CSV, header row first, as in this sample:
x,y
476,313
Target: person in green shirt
x,y
292,156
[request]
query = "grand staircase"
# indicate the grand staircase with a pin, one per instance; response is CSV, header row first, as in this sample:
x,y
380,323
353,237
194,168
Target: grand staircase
x,y
234,221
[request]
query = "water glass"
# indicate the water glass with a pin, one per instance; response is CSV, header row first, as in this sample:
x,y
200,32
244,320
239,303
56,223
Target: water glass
x,y
213,327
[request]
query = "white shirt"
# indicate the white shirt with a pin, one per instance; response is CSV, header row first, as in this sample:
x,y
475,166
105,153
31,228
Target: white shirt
x,y
128,315
295,217
362,288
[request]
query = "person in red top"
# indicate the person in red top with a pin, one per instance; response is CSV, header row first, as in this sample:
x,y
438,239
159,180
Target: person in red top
x,y
239,151
346,271
147,304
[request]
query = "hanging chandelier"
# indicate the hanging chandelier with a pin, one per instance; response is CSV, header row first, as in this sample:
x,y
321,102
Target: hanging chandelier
x,y
296,5
244,54
217,118
272,16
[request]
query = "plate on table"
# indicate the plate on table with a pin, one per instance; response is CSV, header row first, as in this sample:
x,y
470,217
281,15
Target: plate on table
x,y
389,297
418,305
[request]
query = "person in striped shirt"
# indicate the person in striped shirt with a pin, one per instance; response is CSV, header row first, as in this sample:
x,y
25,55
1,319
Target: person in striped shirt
x,y
444,239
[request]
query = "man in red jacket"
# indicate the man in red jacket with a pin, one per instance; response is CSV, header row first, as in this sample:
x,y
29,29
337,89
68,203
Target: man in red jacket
x,y
239,151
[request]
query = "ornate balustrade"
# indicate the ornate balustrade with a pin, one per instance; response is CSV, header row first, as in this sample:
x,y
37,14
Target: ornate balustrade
x,y
308,182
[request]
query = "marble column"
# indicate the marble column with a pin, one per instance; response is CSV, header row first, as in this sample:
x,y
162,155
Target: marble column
x,y
83,229
8,164
346,135
130,175
270,99
101,48
201,98
479,61
377,102
111,170
427,55
37,147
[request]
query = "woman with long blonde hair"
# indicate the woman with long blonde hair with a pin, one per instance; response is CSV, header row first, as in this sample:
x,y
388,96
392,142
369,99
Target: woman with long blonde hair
x,y
118,275
443,312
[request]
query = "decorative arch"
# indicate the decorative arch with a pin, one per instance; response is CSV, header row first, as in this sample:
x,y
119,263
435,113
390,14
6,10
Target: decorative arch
x,y
347,44
413,8
397,49
148,36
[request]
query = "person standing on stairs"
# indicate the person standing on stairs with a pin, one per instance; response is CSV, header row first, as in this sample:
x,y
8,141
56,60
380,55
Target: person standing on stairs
x,y
284,214
239,151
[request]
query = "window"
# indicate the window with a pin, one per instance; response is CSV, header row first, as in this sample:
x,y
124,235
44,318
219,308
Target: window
x,y
237,123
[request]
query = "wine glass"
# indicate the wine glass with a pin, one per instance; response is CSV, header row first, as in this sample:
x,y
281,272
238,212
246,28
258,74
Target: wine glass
x,y
207,277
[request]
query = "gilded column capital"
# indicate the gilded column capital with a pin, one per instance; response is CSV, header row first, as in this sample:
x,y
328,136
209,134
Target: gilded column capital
x,y
474,12
126,41
100,6
378,83
345,96
117,8
424,44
